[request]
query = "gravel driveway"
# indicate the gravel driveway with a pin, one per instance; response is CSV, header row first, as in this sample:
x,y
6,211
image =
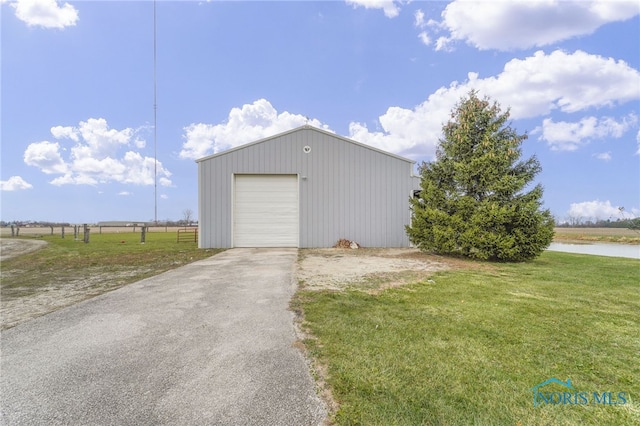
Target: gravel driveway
x,y
208,343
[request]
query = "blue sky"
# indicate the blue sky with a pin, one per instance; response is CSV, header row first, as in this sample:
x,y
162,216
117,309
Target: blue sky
x,y
77,99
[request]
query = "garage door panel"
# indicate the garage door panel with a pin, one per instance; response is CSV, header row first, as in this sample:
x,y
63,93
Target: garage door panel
x,y
266,211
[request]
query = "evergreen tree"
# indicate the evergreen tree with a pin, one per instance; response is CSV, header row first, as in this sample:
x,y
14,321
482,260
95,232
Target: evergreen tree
x,y
473,200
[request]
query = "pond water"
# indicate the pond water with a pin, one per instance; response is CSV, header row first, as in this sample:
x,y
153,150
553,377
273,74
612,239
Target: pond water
x,y
599,249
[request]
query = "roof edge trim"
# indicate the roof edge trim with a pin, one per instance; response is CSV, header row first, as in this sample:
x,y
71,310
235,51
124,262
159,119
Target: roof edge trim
x,y
305,127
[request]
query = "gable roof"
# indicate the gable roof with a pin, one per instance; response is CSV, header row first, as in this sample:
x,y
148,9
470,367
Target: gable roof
x,y
297,129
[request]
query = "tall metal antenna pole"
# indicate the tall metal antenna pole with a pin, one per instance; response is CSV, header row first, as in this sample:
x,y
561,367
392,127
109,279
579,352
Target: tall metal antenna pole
x,y
155,123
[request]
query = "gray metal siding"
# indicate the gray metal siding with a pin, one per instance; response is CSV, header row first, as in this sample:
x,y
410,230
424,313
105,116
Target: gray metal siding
x,y
347,190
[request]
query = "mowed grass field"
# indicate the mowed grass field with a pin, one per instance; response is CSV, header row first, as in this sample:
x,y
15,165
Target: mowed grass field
x,y
468,346
595,235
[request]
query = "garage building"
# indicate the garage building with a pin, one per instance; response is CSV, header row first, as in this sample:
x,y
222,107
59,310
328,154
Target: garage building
x,y
304,188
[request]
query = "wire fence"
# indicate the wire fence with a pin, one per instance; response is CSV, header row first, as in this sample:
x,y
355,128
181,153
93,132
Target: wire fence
x,y
75,230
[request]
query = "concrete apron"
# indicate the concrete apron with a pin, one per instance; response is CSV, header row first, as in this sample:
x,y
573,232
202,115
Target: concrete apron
x,y
207,343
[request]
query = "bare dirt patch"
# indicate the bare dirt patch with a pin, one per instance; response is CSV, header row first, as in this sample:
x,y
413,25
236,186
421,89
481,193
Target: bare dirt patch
x,y
371,270
12,247
33,284
20,304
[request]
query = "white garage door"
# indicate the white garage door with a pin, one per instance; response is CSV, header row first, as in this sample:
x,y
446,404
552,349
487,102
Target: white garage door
x,y
265,211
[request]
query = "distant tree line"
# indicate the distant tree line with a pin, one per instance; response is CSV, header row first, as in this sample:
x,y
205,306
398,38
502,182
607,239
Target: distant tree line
x,y
600,223
32,223
42,224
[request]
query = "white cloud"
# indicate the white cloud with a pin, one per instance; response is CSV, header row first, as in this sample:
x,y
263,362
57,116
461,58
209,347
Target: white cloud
x,y
424,38
65,132
604,156
419,21
139,143
444,44
520,24
568,82
249,123
14,183
45,13
406,132
390,7
389,141
125,193
200,141
100,141
594,210
74,179
46,156
531,87
94,157
569,136
638,141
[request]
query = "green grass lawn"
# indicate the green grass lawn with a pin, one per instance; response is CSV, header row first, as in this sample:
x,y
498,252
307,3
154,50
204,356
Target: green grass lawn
x,y
116,253
468,347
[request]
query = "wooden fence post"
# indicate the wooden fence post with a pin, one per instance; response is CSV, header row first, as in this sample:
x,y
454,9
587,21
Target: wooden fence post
x,y
51,226
75,232
87,230
143,234
13,231
62,232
